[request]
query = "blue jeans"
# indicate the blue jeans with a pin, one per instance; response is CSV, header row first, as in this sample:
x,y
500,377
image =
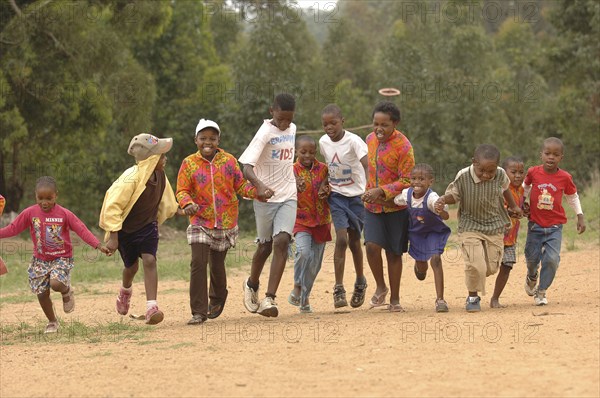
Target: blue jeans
x,y
543,245
307,264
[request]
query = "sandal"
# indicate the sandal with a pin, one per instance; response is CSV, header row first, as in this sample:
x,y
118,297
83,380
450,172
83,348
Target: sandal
x,y
358,295
51,327
441,305
306,309
395,308
197,319
378,300
293,299
339,296
214,310
420,275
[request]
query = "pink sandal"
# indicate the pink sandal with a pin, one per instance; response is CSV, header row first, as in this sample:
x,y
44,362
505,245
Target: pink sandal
x,y
395,308
378,300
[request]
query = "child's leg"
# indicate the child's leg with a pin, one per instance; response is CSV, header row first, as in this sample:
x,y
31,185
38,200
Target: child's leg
x,y
198,289
533,249
376,264
357,253
46,304
550,256
303,259
475,262
129,274
218,276
150,276
310,272
501,281
339,254
281,242
262,253
438,275
395,274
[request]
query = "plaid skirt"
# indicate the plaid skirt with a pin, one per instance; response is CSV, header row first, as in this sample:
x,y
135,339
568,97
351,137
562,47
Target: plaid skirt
x,y
217,239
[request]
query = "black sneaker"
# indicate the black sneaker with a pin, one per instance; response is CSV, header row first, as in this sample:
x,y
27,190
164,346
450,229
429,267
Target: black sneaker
x,y
358,295
339,296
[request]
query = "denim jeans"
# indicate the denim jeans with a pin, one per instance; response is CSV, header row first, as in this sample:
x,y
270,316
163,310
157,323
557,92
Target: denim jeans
x,y
307,264
543,245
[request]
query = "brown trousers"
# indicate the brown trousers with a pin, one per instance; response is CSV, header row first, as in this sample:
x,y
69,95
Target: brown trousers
x,y
202,255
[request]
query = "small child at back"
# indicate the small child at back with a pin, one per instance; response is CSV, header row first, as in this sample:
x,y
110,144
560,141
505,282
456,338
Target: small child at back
x,y
515,170
482,218
345,154
544,187
208,183
427,232
313,221
134,206
49,225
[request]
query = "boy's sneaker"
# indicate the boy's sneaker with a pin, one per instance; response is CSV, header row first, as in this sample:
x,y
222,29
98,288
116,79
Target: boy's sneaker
x,y
339,296
358,296
154,315
540,297
530,285
268,307
123,300
441,305
473,304
250,297
69,305
51,327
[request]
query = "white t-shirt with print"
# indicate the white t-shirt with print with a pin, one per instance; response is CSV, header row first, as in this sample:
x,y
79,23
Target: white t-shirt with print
x,y
346,173
271,152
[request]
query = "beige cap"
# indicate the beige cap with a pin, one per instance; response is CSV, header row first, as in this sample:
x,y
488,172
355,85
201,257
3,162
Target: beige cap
x,y
142,146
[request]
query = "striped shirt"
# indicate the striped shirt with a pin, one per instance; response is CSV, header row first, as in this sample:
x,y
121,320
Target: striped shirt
x,y
481,204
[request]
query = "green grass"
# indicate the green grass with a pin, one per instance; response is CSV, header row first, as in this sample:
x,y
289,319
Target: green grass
x,y
71,332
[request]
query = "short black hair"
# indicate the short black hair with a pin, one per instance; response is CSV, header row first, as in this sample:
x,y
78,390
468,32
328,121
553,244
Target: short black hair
x,y
387,107
284,102
427,169
46,181
332,109
511,159
487,152
553,140
305,138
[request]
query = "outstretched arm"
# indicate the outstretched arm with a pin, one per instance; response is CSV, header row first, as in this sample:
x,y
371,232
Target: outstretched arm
x,y
262,191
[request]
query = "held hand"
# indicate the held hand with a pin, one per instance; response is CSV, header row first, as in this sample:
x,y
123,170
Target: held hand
x,y
190,209
263,193
300,184
373,195
580,224
113,244
105,250
526,209
324,191
515,212
439,205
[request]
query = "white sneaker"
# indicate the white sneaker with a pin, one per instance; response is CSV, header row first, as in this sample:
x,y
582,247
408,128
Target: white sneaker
x,y
250,298
530,286
268,307
540,297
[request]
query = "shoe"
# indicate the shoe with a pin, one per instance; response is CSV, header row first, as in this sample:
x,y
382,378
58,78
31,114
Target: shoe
x,y
395,308
154,316
420,275
268,307
197,319
51,327
305,309
530,285
123,300
214,310
473,304
358,295
378,300
441,305
293,299
339,296
540,297
250,298
69,305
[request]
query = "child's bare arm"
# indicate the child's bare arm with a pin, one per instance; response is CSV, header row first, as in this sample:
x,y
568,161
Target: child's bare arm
x,y
113,242
512,205
324,189
365,164
580,223
262,191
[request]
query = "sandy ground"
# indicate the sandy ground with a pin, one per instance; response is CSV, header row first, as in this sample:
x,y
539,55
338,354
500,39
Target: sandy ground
x,y
521,350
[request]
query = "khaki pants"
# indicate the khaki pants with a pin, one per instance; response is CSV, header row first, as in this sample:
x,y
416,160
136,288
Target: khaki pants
x,y
483,254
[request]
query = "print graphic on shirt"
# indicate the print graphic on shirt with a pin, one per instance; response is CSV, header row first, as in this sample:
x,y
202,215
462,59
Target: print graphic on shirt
x,y
340,174
37,229
53,239
282,154
421,219
545,201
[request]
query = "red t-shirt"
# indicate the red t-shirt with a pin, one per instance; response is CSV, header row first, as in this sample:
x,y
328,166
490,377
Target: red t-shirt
x,y
545,199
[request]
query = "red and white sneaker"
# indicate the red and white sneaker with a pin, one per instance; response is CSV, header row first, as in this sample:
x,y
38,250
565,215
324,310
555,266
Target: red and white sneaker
x,y
123,301
154,315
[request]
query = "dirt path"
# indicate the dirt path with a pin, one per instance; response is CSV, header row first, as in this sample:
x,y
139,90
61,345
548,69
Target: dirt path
x,y
516,351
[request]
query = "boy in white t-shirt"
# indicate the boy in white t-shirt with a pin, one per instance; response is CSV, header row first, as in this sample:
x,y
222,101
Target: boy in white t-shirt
x,y
345,154
269,166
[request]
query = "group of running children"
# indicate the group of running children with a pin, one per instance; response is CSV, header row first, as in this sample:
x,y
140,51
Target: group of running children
x,y
371,187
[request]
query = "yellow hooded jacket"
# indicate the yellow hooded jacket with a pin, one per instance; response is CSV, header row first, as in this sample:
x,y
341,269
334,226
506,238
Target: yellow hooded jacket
x,y
126,190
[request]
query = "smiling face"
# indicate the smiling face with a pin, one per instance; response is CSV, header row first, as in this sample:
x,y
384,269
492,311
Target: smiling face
x,y
333,125
552,154
383,126
306,151
420,181
515,172
281,119
207,141
45,197
485,169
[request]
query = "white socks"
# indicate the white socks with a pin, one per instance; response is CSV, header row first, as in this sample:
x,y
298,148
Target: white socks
x,y
150,304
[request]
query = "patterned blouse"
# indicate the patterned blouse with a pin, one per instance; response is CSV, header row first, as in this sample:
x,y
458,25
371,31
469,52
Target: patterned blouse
x,y
390,164
213,186
312,211
510,237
